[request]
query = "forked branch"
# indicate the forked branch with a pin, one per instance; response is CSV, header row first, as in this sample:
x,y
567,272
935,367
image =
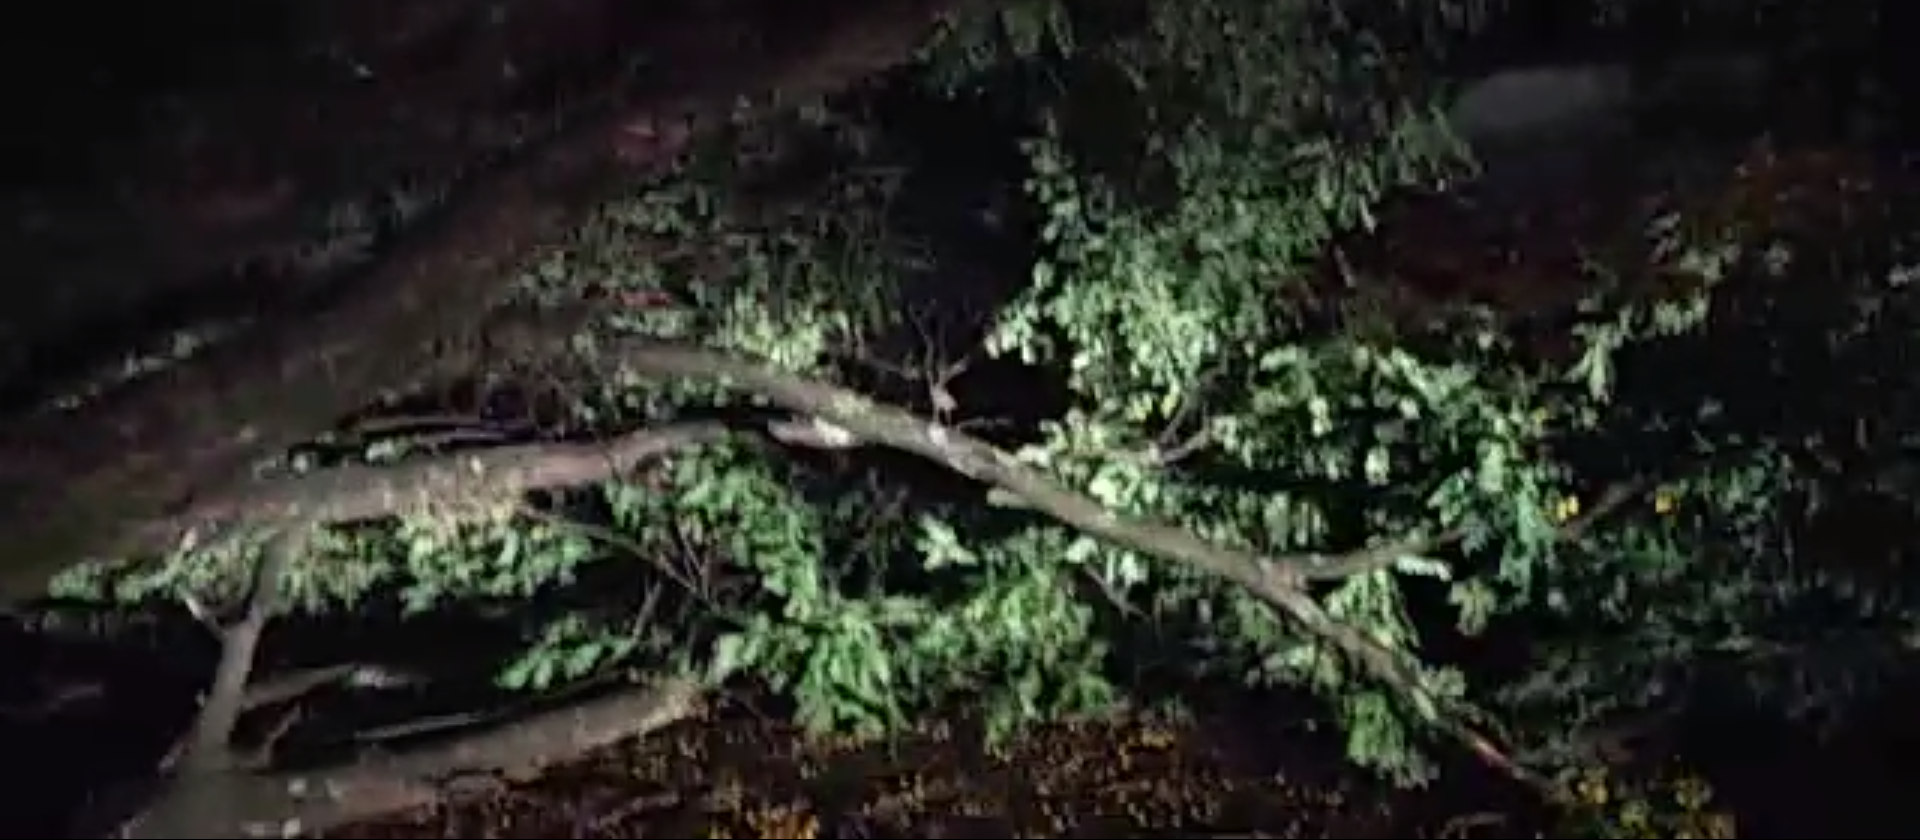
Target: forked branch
x,y
204,763
1280,581
836,417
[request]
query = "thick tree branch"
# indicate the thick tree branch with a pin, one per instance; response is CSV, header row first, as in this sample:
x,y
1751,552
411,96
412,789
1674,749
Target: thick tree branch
x,y
201,765
239,804
212,792
208,747
443,485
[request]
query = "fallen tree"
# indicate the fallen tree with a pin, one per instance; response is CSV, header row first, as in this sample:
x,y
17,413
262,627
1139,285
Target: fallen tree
x,y
216,795
1208,442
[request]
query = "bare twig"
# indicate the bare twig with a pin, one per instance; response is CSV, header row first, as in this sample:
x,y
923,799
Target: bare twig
x,y
1172,447
55,701
619,541
1361,561
290,687
930,369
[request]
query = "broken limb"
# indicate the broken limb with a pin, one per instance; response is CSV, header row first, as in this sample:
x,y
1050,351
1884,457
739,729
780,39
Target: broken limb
x,y
448,485
201,770
830,416
213,792
441,485
209,746
236,804
1277,580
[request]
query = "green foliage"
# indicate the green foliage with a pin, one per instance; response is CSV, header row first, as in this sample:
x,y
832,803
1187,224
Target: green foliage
x,y
1218,383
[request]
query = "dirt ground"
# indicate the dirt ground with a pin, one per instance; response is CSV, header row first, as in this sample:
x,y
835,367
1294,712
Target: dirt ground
x,y
739,774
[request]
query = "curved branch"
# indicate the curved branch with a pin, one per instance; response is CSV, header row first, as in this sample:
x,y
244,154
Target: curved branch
x,y
1279,581
443,484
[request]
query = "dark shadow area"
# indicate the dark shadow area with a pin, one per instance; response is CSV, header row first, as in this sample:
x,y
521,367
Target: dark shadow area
x,y
201,166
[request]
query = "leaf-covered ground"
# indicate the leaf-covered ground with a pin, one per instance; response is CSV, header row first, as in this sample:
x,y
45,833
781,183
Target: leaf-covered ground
x,y
740,774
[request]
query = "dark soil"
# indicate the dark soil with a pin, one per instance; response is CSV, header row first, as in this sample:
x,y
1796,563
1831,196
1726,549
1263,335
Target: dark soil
x,y
1226,771
738,774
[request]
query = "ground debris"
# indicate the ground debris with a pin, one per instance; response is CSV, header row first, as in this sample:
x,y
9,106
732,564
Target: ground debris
x,y
1145,775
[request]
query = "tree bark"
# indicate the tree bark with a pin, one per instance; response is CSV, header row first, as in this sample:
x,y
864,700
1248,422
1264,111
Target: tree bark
x,y
239,804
